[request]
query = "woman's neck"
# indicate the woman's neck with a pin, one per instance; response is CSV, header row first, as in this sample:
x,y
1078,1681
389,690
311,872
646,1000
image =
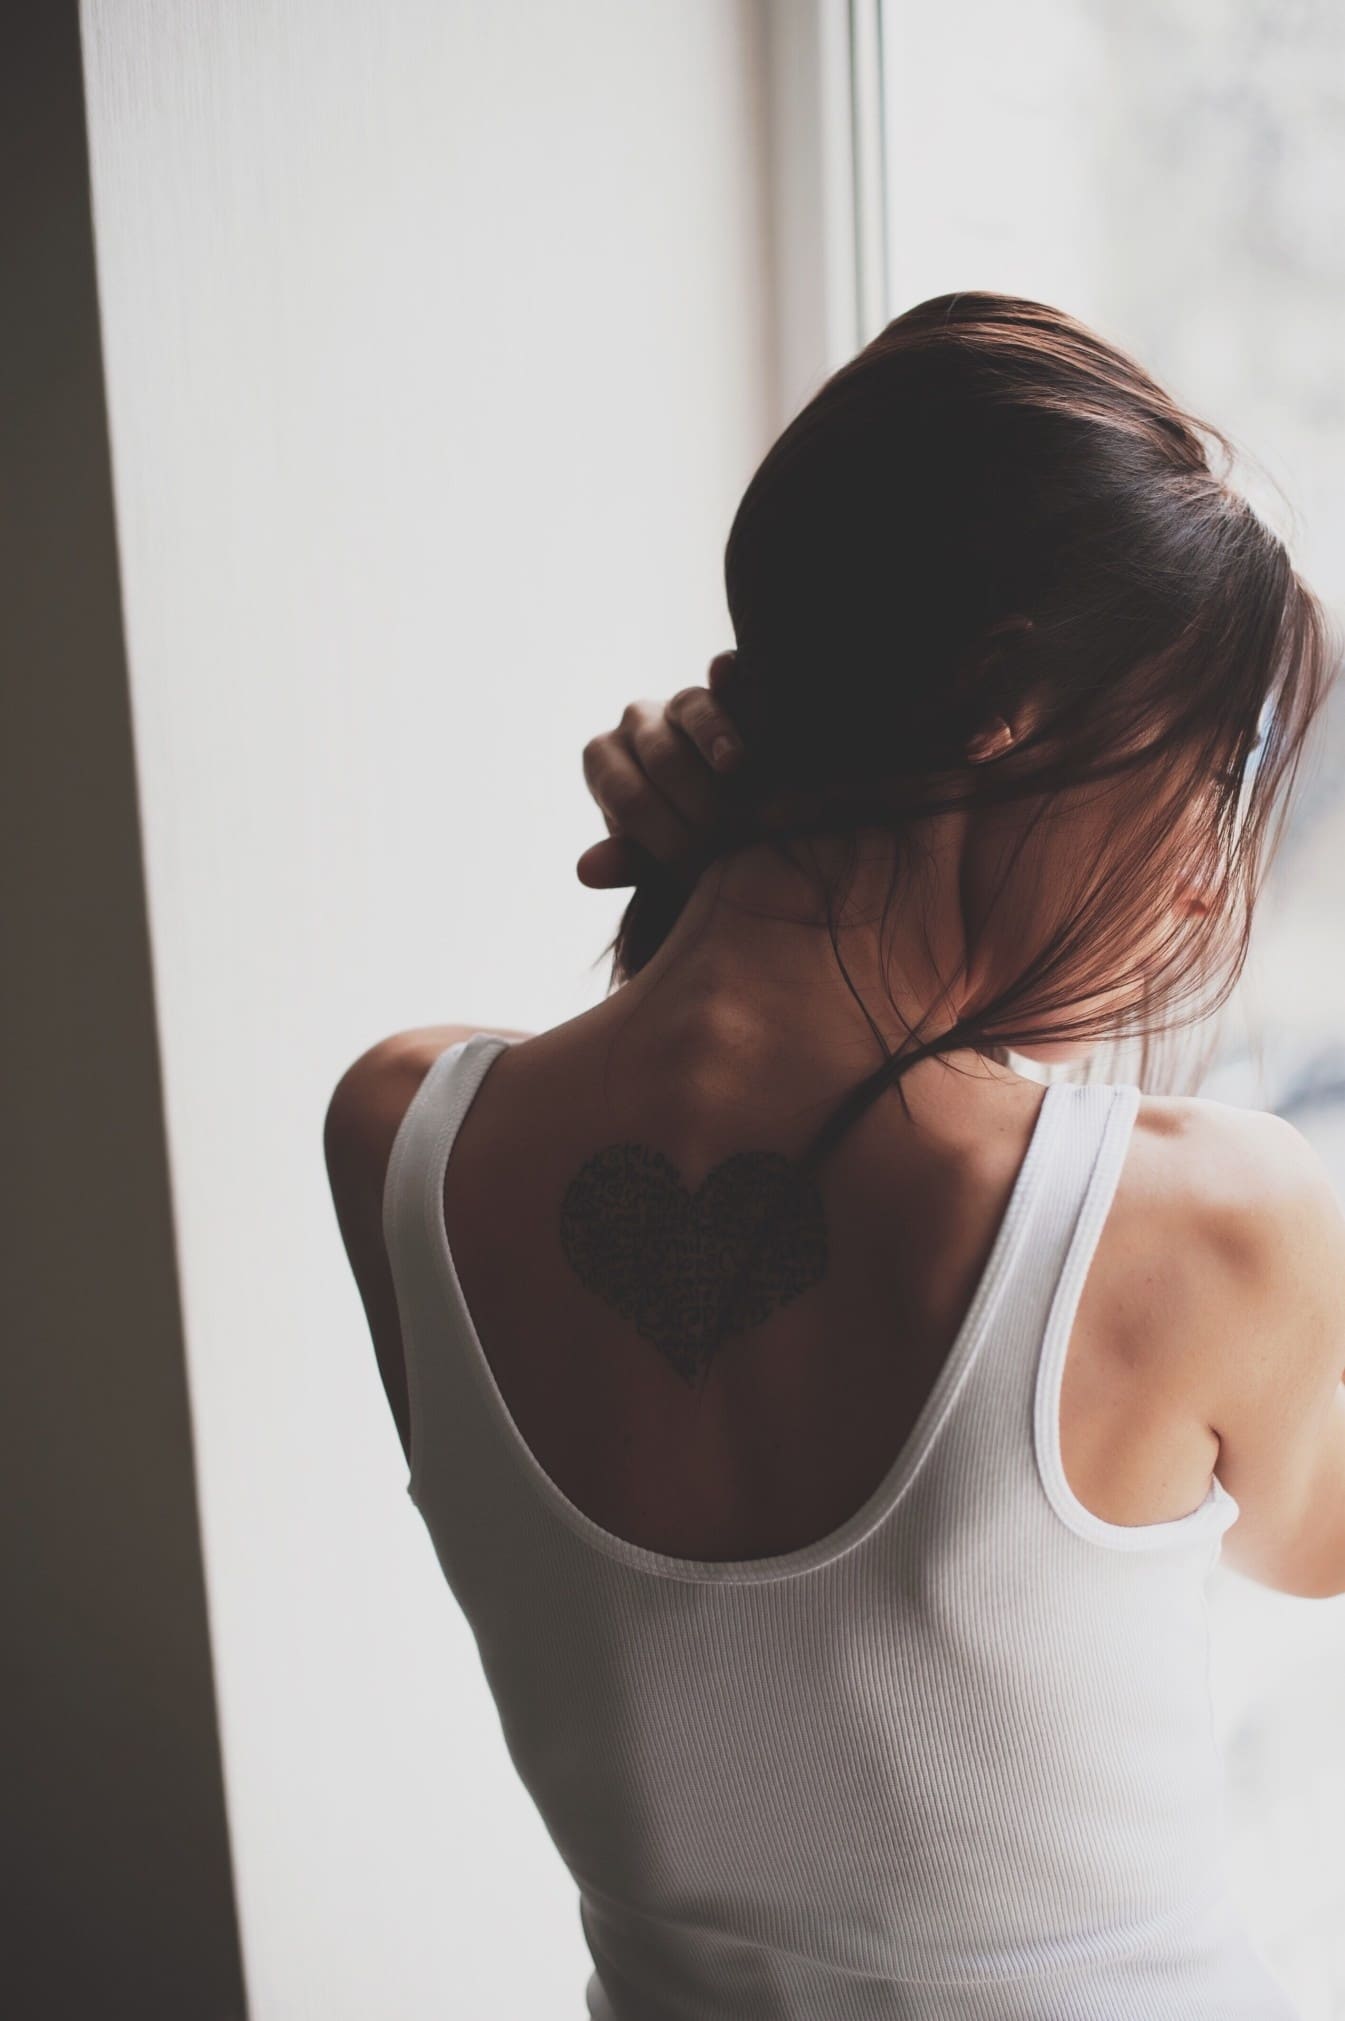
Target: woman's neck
x,y
750,970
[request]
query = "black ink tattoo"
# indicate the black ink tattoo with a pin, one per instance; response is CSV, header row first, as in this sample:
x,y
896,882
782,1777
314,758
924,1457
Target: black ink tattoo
x,y
688,1269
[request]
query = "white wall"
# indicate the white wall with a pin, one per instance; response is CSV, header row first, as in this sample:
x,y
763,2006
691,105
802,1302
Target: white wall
x,y
438,354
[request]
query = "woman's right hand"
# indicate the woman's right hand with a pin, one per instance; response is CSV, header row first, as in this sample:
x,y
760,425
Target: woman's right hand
x,y
656,779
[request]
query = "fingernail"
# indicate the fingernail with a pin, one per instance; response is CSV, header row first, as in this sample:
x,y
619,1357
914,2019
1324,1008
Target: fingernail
x,y
724,750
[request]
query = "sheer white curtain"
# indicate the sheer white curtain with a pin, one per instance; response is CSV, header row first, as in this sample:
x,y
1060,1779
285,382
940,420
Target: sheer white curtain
x,y
1173,171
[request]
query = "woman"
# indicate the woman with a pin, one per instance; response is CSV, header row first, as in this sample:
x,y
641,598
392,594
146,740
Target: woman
x,y
831,1482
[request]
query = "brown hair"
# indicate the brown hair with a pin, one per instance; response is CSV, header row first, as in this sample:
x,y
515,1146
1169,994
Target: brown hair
x,y
989,459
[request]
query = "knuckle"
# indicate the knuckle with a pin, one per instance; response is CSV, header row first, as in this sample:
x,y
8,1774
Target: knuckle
x,y
635,715
658,753
702,718
622,793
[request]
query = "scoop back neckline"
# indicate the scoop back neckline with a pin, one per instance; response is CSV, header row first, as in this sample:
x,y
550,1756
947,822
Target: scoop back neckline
x,y
452,1071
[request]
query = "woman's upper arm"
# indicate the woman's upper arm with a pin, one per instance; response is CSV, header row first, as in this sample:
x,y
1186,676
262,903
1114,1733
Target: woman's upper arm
x,y
1281,1414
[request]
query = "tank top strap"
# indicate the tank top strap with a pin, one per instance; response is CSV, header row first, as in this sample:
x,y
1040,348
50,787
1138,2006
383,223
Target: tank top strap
x,y
1005,1427
1073,1186
1073,1201
442,1391
1075,1192
406,1202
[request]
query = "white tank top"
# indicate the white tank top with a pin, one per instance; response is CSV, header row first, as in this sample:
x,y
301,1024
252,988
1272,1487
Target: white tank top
x,y
954,1761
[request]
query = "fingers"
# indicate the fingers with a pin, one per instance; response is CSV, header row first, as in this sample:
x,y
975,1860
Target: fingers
x,y
609,863
673,764
631,800
720,667
707,722
654,780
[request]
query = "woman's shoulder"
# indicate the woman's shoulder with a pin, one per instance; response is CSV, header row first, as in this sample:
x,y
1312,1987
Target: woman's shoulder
x,y
373,1094
1183,1283
1200,1120
1210,1190
1223,1167
363,1117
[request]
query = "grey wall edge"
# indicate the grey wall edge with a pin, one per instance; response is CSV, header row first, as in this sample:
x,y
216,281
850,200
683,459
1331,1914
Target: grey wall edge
x,y
118,1897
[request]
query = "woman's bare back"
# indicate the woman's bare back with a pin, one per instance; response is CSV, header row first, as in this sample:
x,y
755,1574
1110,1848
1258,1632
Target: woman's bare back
x,y
799,1417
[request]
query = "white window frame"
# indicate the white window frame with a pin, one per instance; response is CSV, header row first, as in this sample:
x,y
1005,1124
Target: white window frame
x,y
827,186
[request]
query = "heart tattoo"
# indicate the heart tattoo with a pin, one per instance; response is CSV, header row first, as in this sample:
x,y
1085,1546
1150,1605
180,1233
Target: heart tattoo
x,y
688,1269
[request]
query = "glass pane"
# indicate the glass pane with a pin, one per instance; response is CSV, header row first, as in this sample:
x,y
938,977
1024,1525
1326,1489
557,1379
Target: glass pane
x,y
1174,174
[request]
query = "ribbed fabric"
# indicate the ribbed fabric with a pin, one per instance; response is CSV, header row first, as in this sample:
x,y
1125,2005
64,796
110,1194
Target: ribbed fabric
x,y
955,1761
